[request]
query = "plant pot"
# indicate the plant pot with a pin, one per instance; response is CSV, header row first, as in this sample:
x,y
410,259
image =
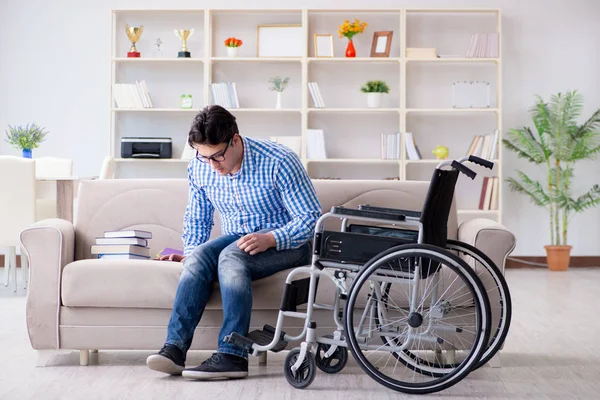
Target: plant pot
x,y
232,51
374,100
350,51
26,153
279,98
558,257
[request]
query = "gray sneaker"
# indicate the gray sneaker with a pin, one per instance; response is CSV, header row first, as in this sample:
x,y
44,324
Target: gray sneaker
x,y
169,360
219,366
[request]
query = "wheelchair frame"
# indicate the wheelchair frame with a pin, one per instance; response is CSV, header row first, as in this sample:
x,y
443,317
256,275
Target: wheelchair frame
x,y
338,272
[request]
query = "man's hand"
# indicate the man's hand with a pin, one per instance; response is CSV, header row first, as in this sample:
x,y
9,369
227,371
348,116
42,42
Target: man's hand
x,y
172,257
255,243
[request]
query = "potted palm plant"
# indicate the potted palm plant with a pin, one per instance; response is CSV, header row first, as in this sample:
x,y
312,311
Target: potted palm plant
x,y
557,145
374,91
26,138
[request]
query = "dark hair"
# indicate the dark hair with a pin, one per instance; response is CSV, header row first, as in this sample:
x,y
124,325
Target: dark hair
x,y
213,125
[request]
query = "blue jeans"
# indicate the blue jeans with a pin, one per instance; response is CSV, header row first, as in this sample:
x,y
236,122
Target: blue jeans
x,y
220,259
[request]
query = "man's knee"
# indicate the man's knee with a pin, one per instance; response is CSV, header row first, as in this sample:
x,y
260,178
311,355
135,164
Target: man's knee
x,y
231,267
201,262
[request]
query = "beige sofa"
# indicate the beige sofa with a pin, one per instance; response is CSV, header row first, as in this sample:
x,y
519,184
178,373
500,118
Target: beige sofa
x,y
79,303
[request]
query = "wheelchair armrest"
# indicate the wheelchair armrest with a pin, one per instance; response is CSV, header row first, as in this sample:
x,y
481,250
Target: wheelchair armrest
x,y
351,212
406,213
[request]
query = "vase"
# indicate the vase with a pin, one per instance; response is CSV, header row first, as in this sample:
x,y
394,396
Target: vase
x,y
278,104
232,51
27,153
558,257
350,51
374,99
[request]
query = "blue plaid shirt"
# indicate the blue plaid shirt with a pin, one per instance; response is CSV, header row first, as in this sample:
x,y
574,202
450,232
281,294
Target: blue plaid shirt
x,y
270,191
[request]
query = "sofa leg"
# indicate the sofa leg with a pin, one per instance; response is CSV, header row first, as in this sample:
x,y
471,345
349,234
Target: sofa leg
x,y
84,357
43,356
495,362
262,359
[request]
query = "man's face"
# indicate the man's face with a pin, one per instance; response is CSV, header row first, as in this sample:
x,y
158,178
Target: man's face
x,y
222,157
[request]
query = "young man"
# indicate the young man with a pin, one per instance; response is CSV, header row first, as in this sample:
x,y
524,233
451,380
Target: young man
x,y
268,208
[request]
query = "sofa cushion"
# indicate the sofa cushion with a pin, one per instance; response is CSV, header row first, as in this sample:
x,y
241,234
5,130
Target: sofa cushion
x,y
149,284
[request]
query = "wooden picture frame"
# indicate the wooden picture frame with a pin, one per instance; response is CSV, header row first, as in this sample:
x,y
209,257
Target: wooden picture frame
x,y
323,45
382,43
279,40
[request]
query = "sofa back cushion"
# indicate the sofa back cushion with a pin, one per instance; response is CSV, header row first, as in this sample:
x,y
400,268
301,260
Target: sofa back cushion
x,y
158,206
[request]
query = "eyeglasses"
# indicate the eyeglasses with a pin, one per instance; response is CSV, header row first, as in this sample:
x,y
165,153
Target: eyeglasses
x,y
218,157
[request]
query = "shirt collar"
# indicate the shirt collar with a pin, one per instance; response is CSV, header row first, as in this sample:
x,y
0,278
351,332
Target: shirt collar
x,y
248,160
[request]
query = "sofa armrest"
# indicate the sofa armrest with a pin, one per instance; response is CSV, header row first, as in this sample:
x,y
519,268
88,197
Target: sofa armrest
x,y
49,246
490,237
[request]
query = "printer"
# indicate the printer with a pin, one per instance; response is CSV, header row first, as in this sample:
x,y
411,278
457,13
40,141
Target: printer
x,y
146,147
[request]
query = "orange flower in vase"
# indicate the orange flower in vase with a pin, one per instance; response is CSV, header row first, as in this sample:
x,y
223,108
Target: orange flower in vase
x,y
232,45
348,30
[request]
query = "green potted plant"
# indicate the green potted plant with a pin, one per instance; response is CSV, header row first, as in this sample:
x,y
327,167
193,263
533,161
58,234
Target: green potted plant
x,y
558,143
374,91
278,85
26,138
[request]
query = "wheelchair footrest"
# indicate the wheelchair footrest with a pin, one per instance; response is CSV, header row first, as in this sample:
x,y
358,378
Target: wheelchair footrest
x,y
261,337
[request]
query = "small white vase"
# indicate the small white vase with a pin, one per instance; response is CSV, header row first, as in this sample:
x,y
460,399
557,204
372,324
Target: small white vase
x,y
279,96
232,51
374,100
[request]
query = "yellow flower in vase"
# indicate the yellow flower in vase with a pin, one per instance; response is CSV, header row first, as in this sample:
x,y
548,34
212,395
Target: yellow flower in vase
x,y
348,30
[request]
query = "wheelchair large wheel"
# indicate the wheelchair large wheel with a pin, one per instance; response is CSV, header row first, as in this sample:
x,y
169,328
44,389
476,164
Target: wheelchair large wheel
x,y
498,294
436,304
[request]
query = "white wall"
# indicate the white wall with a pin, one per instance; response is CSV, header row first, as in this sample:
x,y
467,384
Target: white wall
x,y
54,69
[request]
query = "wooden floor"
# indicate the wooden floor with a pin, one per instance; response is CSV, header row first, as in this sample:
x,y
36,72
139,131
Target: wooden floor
x,y
552,352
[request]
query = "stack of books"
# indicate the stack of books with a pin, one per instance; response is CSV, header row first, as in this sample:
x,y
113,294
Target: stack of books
x,y
124,244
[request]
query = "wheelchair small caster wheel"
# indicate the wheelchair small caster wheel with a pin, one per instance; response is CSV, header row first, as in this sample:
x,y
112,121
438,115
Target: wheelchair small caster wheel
x,y
333,364
304,376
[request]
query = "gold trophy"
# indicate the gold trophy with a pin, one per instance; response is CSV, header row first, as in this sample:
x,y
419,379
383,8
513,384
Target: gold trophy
x,y
183,34
133,33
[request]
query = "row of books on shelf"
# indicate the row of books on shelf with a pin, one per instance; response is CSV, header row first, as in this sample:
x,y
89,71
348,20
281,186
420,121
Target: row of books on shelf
x,y
488,199
224,94
484,146
390,146
483,45
315,93
132,95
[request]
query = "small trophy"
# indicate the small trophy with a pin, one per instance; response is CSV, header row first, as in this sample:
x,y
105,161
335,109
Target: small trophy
x,y
183,34
133,33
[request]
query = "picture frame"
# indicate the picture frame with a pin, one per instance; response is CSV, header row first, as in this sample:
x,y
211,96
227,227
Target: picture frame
x,y
323,45
279,40
382,43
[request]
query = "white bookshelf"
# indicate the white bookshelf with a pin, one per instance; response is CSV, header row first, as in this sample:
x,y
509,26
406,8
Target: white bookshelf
x,y
346,118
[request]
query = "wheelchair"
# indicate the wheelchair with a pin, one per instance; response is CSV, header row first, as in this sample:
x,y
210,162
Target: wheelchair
x,y
418,311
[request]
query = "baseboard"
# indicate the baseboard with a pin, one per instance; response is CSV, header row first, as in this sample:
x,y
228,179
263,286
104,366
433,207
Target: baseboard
x,y
540,261
511,262
2,260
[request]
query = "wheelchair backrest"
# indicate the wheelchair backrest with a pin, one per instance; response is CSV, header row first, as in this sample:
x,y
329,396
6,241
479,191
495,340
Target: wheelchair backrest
x,y
437,205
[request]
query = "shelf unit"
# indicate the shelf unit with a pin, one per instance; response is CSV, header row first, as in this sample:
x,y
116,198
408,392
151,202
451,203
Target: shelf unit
x,y
396,115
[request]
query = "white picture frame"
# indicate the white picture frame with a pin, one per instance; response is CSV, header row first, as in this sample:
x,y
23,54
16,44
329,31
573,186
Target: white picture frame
x,y
323,45
279,40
